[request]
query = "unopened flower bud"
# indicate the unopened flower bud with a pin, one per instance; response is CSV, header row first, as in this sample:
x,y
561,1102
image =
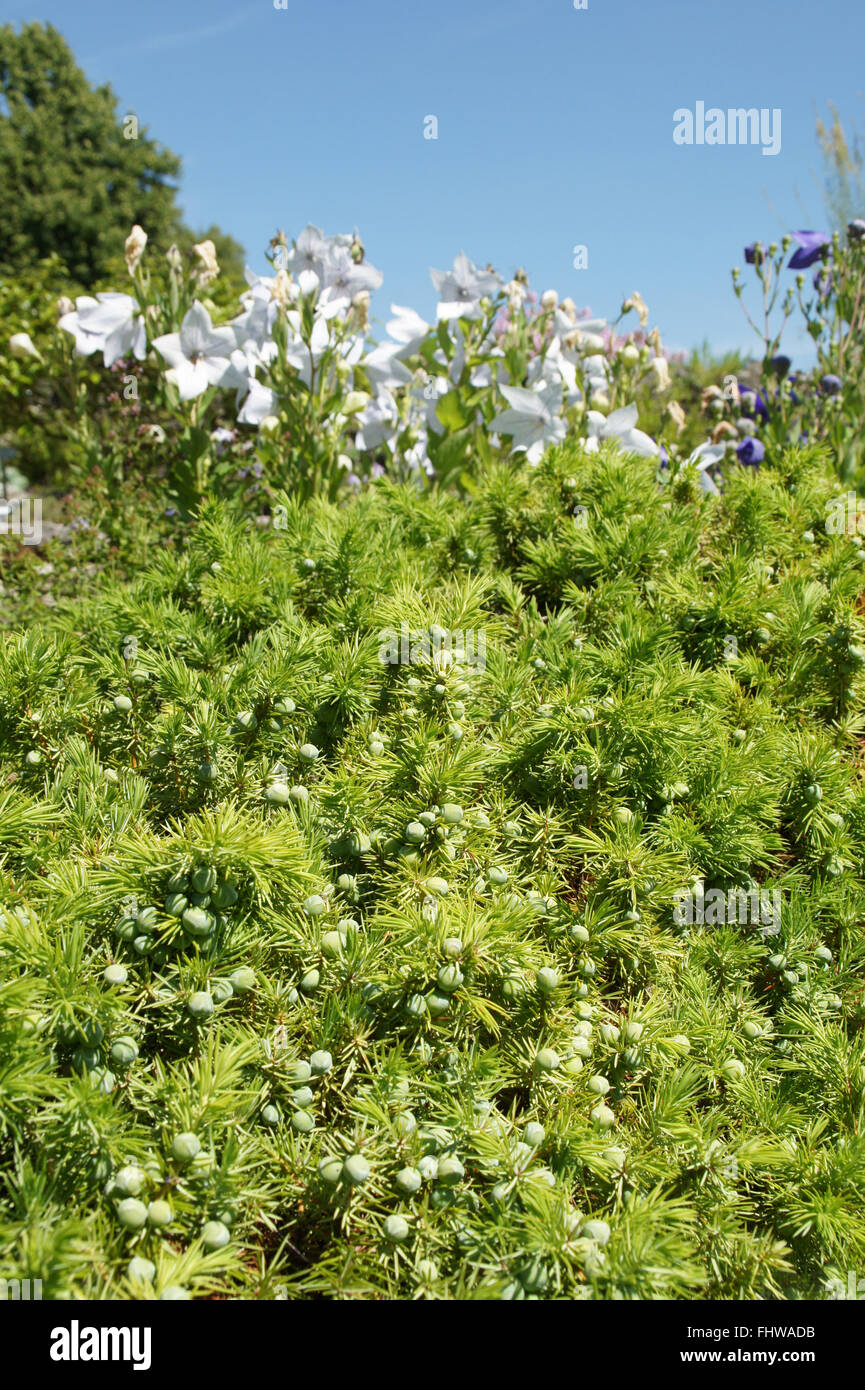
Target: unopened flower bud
x,y
174,258
282,289
630,353
64,306
724,430
208,267
21,345
134,248
357,249
269,426
549,299
355,401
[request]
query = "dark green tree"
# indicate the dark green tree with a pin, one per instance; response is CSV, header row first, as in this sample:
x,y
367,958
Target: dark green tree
x,y
75,175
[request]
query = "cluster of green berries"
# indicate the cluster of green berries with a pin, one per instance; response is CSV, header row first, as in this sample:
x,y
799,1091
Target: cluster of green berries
x,y
800,975
279,792
302,1097
91,1054
140,1205
198,902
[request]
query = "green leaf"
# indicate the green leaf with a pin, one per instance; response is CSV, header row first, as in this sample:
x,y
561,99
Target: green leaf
x,y
452,412
451,454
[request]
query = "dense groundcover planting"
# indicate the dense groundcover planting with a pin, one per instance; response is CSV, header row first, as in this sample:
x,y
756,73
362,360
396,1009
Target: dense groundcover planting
x,y
323,975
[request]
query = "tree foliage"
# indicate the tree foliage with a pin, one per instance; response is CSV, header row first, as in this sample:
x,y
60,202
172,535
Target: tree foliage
x,y
73,183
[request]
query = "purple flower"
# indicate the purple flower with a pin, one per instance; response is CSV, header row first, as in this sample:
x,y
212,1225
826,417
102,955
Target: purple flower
x,y
752,403
222,438
665,457
751,254
377,471
750,451
780,365
810,249
831,384
856,229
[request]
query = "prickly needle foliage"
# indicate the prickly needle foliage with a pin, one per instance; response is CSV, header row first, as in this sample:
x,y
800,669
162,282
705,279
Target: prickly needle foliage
x,y
396,941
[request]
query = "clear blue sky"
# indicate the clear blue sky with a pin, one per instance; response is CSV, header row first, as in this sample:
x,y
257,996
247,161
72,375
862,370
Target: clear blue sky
x,y
554,128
